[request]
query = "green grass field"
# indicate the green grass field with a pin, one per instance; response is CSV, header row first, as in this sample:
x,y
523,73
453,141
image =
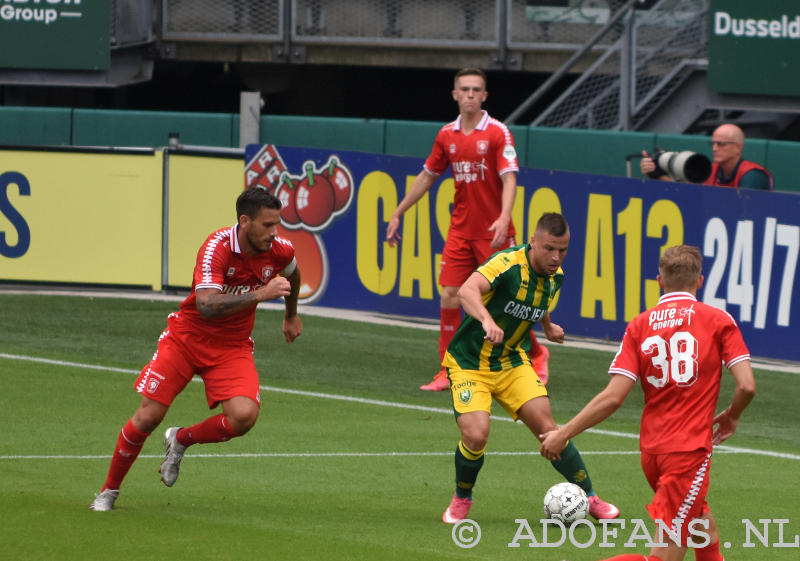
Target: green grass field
x,y
320,477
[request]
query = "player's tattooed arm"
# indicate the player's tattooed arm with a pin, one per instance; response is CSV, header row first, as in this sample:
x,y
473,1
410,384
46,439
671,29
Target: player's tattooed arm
x,y
212,303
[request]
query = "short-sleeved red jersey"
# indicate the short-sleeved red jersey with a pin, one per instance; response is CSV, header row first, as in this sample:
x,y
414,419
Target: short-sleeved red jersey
x,y
222,265
677,350
477,160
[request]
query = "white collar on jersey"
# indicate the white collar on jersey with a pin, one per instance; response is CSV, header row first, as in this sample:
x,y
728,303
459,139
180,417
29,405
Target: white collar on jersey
x,y
670,296
235,239
481,126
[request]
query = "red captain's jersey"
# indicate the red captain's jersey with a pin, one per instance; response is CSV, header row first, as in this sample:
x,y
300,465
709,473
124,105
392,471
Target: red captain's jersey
x,y
222,265
478,160
677,350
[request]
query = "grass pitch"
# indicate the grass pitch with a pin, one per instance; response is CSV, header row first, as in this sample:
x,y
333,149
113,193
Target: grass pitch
x,y
319,477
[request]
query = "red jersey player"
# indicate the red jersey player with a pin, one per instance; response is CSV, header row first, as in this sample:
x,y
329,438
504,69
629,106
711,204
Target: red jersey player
x,y
236,269
480,151
676,350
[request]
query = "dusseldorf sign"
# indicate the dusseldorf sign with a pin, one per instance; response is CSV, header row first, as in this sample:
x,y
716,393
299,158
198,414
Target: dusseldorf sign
x,y
754,47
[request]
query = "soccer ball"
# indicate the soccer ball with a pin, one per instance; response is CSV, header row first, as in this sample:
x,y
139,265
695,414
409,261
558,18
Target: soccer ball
x,y
566,502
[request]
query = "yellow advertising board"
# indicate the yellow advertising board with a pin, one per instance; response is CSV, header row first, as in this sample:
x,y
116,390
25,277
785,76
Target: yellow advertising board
x,y
202,199
81,217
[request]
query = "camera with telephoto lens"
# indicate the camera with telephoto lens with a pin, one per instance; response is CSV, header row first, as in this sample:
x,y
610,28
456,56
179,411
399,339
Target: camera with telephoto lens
x,y
680,166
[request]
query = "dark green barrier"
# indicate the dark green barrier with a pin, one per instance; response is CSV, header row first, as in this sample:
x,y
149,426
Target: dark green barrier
x,y
93,127
35,126
599,152
783,162
361,135
411,138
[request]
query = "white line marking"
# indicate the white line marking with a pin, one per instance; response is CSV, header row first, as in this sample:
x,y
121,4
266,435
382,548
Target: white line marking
x,y
723,448
719,450
315,455
371,317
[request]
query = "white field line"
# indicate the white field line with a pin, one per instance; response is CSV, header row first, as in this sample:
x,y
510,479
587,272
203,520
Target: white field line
x,y
369,317
317,455
381,403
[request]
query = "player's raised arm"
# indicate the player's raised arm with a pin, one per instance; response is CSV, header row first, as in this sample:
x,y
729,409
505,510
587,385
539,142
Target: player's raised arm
x,y
471,295
500,226
212,303
292,326
744,393
422,184
599,409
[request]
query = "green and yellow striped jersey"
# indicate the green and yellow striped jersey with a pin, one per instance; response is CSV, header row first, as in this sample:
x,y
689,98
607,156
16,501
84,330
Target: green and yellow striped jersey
x,y
518,299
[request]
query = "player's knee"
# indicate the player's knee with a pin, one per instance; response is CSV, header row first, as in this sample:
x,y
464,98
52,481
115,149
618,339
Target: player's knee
x,y
475,439
242,420
149,415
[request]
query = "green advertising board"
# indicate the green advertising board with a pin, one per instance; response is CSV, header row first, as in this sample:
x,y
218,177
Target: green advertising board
x,y
55,34
754,47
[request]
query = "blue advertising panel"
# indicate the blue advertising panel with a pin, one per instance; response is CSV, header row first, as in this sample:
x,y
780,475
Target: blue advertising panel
x,y
337,207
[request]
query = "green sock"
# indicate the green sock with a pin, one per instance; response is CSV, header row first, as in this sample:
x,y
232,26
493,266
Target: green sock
x,y
573,469
468,464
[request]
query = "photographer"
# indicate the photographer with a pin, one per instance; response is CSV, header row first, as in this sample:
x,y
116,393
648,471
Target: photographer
x,y
729,168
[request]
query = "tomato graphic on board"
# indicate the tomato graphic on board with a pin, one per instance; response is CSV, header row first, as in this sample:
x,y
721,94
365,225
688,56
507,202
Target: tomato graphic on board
x,y
311,203
286,193
314,198
342,184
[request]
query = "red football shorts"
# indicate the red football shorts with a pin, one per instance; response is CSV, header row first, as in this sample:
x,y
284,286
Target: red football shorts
x,y
461,257
680,480
227,369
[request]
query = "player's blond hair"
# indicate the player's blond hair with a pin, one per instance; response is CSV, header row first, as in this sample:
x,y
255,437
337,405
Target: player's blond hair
x,y
680,266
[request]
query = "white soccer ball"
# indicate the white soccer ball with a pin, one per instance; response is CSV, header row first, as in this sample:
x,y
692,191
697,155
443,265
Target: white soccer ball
x,y
566,502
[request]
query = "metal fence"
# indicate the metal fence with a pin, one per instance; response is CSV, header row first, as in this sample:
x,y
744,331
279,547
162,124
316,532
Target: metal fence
x,y
528,24
627,82
223,20
453,23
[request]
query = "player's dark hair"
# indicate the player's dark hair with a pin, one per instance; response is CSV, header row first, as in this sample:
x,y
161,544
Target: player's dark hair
x,y
471,72
553,223
251,201
680,266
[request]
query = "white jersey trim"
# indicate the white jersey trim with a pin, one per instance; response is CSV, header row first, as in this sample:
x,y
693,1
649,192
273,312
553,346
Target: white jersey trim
x,y
671,296
431,172
737,360
621,372
235,239
290,268
208,255
482,126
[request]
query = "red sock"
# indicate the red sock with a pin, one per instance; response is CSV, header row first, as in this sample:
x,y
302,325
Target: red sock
x,y
536,348
213,429
449,320
633,557
129,444
708,553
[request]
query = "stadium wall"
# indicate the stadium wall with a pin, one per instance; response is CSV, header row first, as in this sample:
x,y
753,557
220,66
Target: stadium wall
x,y
138,218
599,152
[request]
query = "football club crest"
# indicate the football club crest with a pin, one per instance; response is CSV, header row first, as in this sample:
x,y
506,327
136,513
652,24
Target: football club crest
x,y
465,396
266,273
152,385
483,147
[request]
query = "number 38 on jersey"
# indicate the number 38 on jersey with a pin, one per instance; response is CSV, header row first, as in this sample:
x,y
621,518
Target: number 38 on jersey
x,y
676,358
